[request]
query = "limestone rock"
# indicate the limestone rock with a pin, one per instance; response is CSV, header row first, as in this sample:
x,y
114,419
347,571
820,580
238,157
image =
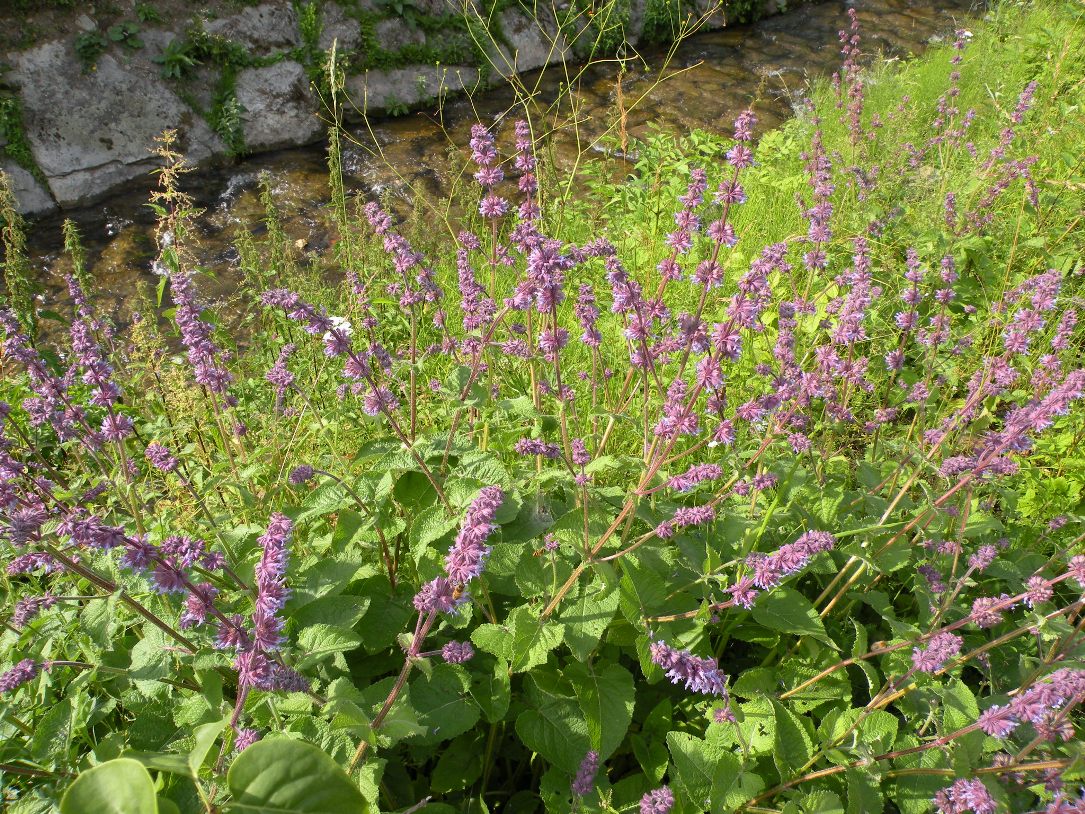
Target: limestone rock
x,y
262,29
32,198
380,90
535,41
96,130
634,28
336,25
394,35
278,106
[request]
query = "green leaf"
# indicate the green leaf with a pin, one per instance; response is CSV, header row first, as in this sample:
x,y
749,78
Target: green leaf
x,y
758,725
651,755
169,762
203,738
871,731
460,764
732,784
320,641
524,640
491,691
606,697
959,709
151,661
120,786
864,792
343,611
553,726
327,576
587,618
789,611
694,762
794,747
97,618
642,589
443,703
429,526
280,776
53,733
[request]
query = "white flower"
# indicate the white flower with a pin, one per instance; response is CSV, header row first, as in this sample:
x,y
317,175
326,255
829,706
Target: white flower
x,y
342,325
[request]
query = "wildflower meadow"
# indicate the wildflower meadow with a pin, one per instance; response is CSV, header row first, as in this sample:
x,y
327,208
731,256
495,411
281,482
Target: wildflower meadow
x,y
738,472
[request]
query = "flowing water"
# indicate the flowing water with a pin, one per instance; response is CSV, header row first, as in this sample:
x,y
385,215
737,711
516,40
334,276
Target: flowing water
x,y
712,76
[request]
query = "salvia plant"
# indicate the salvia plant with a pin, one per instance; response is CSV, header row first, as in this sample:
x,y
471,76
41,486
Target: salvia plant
x,y
525,521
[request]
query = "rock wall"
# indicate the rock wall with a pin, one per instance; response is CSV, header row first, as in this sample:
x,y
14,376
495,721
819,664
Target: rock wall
x,y
250,80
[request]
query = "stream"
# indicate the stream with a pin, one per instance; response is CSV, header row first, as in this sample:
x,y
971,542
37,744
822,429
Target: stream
x,y
708,79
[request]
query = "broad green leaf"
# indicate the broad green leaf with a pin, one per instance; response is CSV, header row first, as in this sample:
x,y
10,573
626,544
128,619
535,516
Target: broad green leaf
x,y
429,526
328,497
327,576
344,611
694,765
651,755
388,613
788,611
120,786
873,731
279,776
443,703
320,641
642,589
821,801
794,747
97,618
959,709
204,738
758,725
459,765
169,762
587,618
151,660
524,640
53,734
486,468
913,792
553,726
606,696
864,792
732,784
491,690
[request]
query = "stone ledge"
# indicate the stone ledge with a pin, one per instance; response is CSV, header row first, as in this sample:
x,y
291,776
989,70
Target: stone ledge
x,y
91,132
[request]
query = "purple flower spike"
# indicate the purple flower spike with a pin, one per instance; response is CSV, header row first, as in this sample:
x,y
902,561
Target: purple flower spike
x,y
457,652
245,738
698,473
204,355
467,556
26,670
682,667
964,796
300,474
28,608
533,446
694,515
581,456
161,458
271,590
657,801
584,781
438,595
940,649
